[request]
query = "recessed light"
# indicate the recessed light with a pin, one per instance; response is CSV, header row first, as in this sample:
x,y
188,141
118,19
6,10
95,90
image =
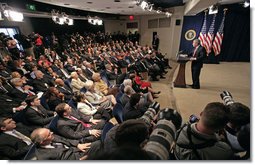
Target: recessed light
x,y
116,0
108,7
89,2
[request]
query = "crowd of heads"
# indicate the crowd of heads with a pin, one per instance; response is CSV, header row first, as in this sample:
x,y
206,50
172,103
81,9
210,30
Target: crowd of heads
x,y
78,77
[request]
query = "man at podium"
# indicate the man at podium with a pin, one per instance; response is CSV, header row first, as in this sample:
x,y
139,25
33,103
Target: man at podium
x,y
197,56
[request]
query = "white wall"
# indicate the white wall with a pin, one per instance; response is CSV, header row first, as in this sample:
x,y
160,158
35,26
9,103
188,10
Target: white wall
x,y
114,26
169,36
25,26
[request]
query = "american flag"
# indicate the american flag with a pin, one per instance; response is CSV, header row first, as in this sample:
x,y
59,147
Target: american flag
x,y
202,35
218,38
210,35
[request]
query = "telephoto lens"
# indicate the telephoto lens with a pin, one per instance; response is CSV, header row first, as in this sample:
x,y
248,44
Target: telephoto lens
x,y
161,139
227,98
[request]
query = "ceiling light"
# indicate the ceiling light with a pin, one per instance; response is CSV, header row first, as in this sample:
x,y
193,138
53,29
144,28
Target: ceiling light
x,y
99,22
69,21
246,4
150,7
213,9
95,21
144,5
168,14
158,11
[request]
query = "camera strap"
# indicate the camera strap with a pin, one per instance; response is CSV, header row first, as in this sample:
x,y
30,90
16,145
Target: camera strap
x,y
191,145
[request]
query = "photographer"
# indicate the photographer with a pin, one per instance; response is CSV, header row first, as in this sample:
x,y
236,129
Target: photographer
x,y
147,118
198,141
132,134
239,117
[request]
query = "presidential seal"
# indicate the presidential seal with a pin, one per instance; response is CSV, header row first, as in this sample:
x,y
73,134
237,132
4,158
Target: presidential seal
x,y
190,35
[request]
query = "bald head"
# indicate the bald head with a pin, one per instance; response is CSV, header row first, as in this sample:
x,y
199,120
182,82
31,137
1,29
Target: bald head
x,y
59,82
42,136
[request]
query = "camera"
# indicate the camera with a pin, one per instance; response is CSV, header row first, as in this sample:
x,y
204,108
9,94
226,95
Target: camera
x,y
227,98
161,140
152,111
193,119
171,115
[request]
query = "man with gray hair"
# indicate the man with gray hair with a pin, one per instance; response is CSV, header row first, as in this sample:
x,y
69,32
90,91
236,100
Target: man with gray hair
x,y
54,147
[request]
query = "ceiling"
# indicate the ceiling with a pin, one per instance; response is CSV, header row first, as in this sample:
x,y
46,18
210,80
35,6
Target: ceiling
x,y
129,7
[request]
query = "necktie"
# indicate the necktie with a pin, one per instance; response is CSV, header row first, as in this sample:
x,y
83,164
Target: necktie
x,y
84,124
22,137
194,53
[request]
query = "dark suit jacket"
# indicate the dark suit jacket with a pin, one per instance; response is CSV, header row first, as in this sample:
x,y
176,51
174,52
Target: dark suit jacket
x,y
130,112
124,99
6,74
18,95
39,85
38,119
68,92
200,54
58,154
111,75
61,74
7,103
88,73
69,68
12,147
72,129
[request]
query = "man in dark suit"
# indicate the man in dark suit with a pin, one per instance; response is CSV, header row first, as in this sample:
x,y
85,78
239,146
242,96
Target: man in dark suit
x,y
197,56
155,42
35,114
20,91
73,125
14,139
66,90
53,147
130,110
41,83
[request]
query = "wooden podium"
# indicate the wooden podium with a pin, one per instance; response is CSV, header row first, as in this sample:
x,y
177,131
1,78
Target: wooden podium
x,y
180,79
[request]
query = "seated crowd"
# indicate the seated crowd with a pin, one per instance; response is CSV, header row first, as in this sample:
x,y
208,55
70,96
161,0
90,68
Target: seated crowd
x,y
60,98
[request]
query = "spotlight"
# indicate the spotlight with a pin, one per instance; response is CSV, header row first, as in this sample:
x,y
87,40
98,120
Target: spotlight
x,y
99,22
158,11
95,21
213,9
150,7
144,5
168,14
69,21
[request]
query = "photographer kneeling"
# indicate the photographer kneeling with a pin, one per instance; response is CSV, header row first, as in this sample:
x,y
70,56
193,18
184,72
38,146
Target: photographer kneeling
x,y
198,141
